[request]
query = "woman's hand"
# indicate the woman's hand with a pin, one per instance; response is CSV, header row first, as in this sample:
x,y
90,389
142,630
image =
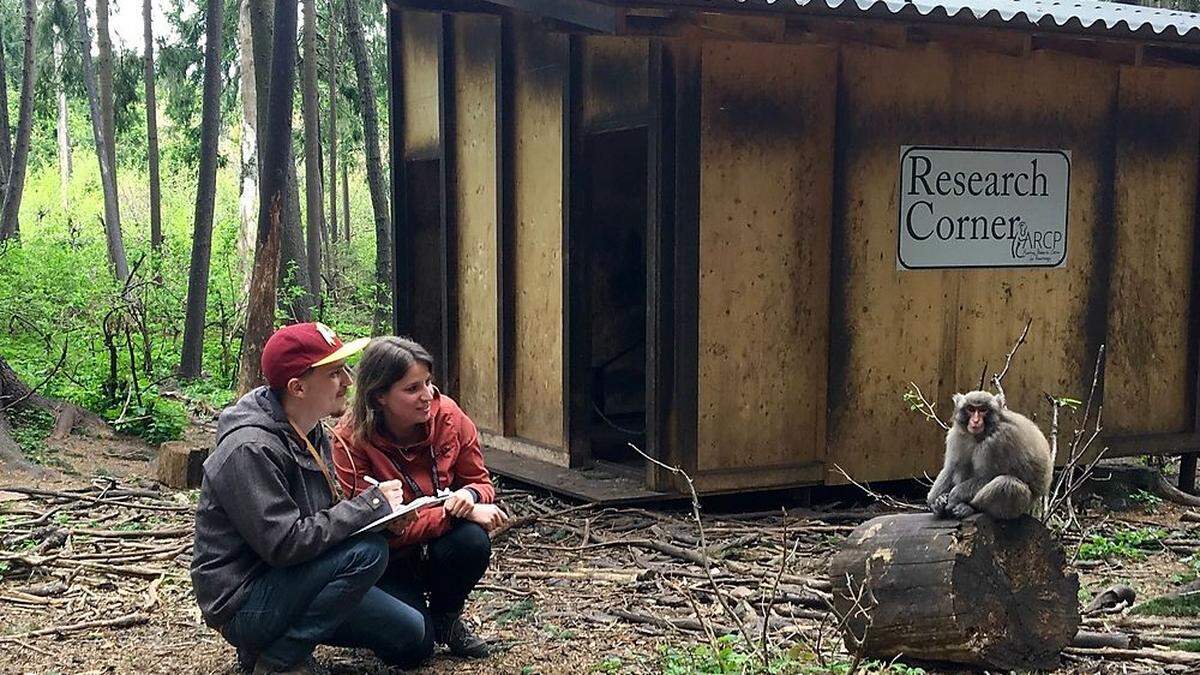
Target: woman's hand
x,y
489,516
460,503
393,491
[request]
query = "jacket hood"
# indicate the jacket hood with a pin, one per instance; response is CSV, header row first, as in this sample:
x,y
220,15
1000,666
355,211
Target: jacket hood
x,y
260,408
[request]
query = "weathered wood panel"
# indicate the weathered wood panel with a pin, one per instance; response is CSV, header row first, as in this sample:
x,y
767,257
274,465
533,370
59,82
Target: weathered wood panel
x,y
886,326
1047,100
1147,381
419,37
616,79
766,128
537,396
476,59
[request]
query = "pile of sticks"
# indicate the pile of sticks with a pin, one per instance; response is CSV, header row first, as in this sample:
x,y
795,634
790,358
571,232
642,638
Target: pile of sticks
x,y
81,559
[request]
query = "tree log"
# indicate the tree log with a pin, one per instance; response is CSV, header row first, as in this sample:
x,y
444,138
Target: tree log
x,y
980,592
180,465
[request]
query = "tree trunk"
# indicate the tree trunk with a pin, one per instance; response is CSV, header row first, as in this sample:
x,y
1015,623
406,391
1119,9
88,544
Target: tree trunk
x,y
248,200
16,175
296,302
375,180
152,130
346,200
104,71
108,176
985,593
333,98
63,132
5,131
15,394
276,150
191,359
313,192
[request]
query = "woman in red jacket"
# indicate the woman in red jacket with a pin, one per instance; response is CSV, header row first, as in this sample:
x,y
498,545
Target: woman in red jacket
x,y
402,428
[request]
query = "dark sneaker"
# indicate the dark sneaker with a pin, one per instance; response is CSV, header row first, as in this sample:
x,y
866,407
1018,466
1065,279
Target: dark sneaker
x,y
450,630
307,667
246,660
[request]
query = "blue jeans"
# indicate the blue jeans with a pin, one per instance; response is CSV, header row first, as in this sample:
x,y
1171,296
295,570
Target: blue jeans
x,y
331,600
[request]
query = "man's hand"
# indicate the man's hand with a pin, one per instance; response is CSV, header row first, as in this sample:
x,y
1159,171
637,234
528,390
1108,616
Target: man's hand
x,y
393,491
460,503
489,516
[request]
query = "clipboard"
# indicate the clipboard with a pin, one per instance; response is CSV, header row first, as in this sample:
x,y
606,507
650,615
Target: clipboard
x,y
414,505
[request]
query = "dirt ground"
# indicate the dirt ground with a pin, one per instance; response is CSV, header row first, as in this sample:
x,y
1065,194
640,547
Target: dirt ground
x,y
573,589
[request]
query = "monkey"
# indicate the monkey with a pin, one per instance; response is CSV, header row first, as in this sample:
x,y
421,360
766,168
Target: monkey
x,y
997,461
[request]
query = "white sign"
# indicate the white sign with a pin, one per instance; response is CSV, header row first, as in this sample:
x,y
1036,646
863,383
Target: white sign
x,y
977,207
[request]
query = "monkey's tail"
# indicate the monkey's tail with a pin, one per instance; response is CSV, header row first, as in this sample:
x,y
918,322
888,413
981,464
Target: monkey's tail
x,y
1004,498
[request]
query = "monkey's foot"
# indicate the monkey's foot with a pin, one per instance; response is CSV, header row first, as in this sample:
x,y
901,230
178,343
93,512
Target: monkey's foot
x,y
961,510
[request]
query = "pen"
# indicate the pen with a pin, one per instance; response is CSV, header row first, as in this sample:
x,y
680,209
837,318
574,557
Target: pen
x,y
372,481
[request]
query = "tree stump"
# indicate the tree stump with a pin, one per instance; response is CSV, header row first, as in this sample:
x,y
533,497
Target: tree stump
x,y
980,592
180,465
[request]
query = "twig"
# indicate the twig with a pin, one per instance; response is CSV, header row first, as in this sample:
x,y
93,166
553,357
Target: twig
x,y
134,619
703,541
1008,359
923,405
770,604
33,390
883,499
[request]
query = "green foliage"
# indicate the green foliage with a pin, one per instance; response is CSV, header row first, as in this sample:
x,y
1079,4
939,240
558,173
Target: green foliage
x,y
1130,544
30,428
1149,500
1184,605
732,656
610,664
1192,645
518,611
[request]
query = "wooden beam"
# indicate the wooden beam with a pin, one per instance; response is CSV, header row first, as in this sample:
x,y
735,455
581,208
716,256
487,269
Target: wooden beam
x,y
993,40
576,258
448,235
1127,53
658,329
1150,444
681,70
506,198
586,14
401,239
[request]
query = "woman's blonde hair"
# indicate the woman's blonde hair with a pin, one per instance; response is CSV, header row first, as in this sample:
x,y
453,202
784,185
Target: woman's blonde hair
x,y
384,362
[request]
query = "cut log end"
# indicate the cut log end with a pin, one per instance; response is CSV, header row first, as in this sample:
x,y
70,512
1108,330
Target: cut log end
x,y
980,592
180,465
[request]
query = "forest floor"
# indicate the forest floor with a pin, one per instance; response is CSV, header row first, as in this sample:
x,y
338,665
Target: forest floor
x,y
94,579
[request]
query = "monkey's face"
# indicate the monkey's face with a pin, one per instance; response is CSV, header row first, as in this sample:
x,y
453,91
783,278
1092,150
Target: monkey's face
x,y
977,418
976,412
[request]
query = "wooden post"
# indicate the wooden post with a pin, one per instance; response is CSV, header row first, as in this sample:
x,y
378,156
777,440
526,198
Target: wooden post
x,y
985,593
1187,472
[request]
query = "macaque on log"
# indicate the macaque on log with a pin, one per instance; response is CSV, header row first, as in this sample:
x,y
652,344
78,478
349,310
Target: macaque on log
x,y
979,592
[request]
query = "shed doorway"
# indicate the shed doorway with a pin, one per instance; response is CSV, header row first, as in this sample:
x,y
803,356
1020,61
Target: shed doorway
x,y
615,218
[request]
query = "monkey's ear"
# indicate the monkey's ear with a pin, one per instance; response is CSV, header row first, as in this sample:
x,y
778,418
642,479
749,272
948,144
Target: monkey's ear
x,y
958,400
1000,402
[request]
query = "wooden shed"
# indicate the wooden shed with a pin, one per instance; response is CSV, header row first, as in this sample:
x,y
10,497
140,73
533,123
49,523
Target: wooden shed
x,y
690,225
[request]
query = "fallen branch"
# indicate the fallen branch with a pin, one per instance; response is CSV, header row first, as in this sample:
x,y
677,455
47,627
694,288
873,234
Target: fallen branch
x,y
126,621
1156,655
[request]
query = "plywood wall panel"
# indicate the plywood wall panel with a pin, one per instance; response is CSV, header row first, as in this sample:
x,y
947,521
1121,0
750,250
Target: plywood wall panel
x,y
476,61
1147,381
1050,101
887,327
766,130
537,397
419,35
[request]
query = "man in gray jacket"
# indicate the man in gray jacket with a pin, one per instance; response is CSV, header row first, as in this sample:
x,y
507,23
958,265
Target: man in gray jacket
x,y
276,567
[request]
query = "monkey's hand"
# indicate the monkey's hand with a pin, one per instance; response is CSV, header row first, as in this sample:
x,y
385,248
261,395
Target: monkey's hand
x,y
961,510
938,504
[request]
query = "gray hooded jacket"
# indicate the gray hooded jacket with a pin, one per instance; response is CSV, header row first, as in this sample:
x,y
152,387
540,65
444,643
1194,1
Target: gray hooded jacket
x,y
265,503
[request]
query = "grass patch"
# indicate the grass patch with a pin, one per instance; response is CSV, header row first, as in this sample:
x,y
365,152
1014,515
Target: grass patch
x,y
1184,605
1192,645
731,656
518,611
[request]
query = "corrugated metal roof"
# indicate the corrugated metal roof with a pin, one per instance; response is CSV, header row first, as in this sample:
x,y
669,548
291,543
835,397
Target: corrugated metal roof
x,y
1109,19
